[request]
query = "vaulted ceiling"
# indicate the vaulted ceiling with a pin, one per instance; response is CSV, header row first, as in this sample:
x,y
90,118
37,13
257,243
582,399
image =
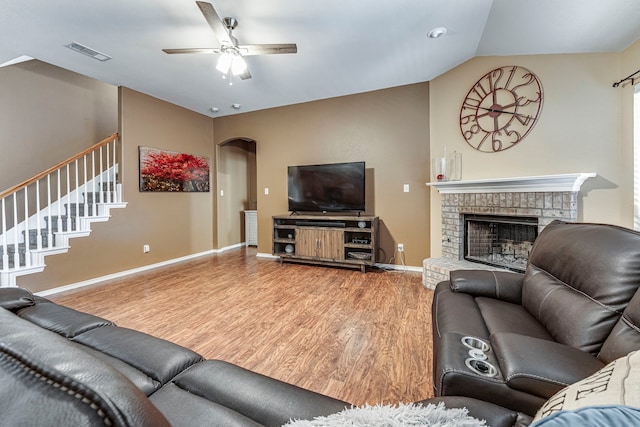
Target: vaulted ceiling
x,y
344,46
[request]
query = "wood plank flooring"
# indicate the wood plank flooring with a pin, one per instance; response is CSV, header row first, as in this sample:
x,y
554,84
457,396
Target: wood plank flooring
x,y
361,338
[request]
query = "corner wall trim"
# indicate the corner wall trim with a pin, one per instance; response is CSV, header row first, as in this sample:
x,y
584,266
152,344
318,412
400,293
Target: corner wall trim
x,y
89,282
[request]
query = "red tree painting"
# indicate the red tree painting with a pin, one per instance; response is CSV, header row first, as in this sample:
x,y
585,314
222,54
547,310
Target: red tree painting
x,y
162,170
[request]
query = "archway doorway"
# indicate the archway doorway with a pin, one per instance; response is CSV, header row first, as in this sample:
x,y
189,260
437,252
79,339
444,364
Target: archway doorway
x,y
236,189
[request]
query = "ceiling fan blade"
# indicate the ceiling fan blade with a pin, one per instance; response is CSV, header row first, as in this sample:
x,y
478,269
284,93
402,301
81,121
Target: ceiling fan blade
x,y
193,50
267,49
216,24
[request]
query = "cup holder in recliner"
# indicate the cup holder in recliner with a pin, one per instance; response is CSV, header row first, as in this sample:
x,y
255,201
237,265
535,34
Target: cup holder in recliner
x,y
481,367
475,343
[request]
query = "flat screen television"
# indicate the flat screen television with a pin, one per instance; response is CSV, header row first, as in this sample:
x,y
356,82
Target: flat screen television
x,y
332,187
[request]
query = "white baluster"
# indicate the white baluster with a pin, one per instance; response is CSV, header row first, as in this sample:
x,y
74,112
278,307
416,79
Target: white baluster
x,y
38,224
27,240
68,199
84,186
16,235
5,249
93,182
116,196
49,233
59,190
77,190
109,175
102,194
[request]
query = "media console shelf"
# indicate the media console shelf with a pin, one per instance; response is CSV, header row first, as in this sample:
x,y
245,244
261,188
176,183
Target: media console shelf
x,y
345,241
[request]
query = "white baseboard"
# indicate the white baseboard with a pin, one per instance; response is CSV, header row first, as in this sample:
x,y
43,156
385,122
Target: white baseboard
x,y
399,267
89,282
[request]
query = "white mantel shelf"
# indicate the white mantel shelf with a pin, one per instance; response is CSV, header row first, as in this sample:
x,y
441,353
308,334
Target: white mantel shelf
x,y
525,184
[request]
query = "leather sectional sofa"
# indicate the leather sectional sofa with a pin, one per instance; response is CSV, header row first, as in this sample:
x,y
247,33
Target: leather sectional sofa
x,y
517,339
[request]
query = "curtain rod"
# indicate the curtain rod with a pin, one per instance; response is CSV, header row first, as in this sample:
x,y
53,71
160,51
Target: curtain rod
x,y
629,77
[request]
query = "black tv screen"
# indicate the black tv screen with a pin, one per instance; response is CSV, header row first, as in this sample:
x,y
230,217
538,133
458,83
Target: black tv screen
x,y
334,187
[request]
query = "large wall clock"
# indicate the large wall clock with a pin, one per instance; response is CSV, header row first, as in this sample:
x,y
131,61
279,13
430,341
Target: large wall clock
x,y
501,108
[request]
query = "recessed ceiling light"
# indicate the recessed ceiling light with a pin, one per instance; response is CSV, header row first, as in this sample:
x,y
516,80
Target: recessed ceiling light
x,y
214,109
437,32
235,106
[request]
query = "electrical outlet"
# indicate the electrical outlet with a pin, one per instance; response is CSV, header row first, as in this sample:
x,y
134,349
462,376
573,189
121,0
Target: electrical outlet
x,y
145,249
400,247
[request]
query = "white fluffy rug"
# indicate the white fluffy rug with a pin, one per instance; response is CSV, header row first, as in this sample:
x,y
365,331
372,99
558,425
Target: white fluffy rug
x,y
394,416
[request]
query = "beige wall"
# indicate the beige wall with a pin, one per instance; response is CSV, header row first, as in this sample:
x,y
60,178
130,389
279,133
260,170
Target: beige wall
x,y
52,112
579,130
173,224
388,129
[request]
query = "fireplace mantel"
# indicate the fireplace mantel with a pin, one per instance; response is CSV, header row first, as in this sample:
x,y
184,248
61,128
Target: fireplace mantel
x,y
544,183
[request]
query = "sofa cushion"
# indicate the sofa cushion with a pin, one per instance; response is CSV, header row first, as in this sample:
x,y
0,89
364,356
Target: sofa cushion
x,y
185,409
145,383
265,400
500,316
15,298
618,383
159,359
625,336
579,279
48,381
62,320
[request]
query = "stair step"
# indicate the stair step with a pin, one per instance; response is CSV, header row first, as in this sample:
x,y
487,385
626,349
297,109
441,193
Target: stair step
x,y
33,238
109,196
54,223
11,249
77,209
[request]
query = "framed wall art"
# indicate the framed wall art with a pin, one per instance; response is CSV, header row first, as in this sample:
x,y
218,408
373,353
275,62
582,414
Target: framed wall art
x,y
162,170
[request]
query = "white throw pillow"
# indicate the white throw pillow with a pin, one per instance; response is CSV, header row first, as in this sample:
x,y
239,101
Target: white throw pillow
x,y
618,383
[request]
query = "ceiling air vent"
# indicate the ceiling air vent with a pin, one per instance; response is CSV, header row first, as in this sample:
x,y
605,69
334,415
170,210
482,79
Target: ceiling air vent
x,y
88,51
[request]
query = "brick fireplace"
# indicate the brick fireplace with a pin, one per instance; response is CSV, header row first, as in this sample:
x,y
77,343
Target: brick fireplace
x,y
546,198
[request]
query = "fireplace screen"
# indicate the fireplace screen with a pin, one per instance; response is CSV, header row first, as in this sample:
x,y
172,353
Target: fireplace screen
x,y
502,241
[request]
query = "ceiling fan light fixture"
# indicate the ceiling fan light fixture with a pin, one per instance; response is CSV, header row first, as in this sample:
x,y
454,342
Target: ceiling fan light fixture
x,y
437,32
238,65
224,63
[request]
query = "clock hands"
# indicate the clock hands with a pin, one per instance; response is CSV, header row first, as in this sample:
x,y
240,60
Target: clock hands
x,y
495,110
522,118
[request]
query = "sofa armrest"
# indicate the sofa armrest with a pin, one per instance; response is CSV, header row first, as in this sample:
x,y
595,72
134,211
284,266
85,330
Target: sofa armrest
x,y
502,285
494,415
539,366
14,299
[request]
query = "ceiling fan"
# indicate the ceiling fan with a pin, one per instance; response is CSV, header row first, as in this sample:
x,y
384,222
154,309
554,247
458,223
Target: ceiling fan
x,y
231,62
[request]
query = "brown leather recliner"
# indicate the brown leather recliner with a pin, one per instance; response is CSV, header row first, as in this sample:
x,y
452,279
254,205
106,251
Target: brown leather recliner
x,y
516,339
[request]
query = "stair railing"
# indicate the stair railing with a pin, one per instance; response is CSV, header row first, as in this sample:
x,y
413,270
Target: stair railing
x,y
76,185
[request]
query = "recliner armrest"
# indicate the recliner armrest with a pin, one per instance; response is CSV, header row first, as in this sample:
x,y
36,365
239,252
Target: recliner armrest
x,y
539,366
502,285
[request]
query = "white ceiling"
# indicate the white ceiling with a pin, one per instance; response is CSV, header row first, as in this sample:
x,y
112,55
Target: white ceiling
x,y
344,46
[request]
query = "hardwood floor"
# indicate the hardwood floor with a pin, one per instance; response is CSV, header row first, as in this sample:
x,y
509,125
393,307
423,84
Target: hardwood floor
x,y
361,338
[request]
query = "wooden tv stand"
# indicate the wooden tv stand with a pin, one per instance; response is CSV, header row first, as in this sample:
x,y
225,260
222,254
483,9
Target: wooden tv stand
x,y
345,241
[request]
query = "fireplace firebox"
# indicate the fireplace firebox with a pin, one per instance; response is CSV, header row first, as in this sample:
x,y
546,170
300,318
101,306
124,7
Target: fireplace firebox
x,y
501,241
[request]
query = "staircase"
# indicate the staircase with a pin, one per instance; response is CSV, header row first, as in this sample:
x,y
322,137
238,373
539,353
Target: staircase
x,y
41,215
